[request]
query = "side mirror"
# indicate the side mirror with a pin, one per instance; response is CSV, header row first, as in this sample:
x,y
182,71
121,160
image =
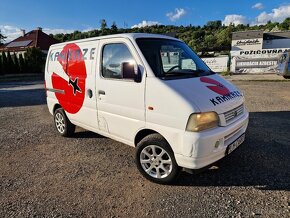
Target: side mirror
x,y
131,71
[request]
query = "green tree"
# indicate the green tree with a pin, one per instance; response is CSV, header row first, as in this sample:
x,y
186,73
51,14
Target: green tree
x,y
216,24
16,63
10,64
4,63
22,64
76,35
34,59
2,38
224,39
103,23
114,28
0,64
285,25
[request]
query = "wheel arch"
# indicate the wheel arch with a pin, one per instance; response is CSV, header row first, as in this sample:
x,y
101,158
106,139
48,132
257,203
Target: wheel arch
x,y
145,132
55,107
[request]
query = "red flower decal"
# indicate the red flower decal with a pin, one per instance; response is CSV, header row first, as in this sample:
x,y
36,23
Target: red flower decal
x,y
215,86
72,62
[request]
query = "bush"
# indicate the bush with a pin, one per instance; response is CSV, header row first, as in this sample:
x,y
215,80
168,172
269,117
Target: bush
x,y
22,64
10,64
34,59
0,64
4,63
225,73
15,63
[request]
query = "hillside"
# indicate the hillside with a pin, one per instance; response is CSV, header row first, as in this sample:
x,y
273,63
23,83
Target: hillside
x,y
211,37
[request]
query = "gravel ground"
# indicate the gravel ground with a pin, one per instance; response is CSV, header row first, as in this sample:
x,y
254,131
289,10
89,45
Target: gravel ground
x,y
45,175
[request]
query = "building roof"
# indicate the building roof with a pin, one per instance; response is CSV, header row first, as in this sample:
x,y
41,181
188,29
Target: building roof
x,y
277,35
34,38
252,34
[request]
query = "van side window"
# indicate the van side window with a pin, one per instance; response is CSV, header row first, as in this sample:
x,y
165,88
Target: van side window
x,y
113,57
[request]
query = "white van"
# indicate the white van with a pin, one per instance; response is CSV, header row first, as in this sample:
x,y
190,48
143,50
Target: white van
x,y
148,91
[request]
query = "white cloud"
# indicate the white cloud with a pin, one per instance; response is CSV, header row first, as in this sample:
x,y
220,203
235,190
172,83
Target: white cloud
x,y
88,29
177,14
145,23
56,31
277,15
234,19
11,32
258,6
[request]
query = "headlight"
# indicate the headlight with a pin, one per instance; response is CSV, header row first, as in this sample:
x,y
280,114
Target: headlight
x,y
202,121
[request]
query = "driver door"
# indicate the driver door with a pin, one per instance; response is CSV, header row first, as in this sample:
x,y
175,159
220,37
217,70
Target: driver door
x,y
120,101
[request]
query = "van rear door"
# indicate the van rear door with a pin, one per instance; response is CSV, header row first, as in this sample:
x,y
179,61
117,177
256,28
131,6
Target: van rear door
x,y
120,101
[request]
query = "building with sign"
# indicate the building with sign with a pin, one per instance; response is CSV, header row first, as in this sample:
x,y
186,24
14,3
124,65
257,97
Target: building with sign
x,y
258,51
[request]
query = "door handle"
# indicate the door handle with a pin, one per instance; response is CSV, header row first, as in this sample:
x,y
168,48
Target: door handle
x,y
102,92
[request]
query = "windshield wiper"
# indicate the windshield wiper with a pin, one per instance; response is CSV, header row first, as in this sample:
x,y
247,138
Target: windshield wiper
x,y
177,73
186,73
202,72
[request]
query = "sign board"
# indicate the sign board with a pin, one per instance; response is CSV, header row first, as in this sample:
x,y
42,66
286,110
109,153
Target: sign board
x,y
244,44
256,61
283,64
217,64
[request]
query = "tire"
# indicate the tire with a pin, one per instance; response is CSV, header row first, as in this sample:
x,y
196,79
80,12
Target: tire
x,y
62,123
157,168
286,77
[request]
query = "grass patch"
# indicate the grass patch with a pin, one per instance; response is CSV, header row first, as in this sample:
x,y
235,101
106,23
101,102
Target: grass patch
x,y
225,73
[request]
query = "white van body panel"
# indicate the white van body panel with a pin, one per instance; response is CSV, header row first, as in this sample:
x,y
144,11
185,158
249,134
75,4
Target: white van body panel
x,y
119,109
80,118
122,107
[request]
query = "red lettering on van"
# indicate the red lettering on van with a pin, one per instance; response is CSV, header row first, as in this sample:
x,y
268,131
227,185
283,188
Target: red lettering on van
x,y
72,98
215,86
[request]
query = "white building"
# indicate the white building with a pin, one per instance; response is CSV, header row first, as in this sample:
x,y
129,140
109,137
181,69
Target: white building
x,y
258,52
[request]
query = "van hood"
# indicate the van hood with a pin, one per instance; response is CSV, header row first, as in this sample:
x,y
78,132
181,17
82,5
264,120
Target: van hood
x,y
208,93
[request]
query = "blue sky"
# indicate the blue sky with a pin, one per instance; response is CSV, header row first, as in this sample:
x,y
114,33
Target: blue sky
x,y
67,16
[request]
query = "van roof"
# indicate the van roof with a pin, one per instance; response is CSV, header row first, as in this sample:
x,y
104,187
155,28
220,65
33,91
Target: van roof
x,y
131,36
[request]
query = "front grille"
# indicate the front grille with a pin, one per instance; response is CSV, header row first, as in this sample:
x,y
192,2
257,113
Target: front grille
x,y
234,113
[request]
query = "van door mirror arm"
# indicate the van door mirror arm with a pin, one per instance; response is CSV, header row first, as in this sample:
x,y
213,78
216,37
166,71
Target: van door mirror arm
x,y
138,76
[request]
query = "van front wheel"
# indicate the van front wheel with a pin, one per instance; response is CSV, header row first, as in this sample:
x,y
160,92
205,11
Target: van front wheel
x,y
155,160
62,123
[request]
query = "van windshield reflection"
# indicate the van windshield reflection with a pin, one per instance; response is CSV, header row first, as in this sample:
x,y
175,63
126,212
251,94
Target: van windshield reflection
x,y
172,58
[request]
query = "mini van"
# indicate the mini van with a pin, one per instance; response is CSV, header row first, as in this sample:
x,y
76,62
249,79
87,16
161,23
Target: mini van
x,y
148,91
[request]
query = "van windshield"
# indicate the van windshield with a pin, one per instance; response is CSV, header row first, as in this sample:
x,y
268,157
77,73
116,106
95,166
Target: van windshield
x,y
171,59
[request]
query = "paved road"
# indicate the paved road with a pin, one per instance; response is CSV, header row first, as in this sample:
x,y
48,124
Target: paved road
x,y
43,174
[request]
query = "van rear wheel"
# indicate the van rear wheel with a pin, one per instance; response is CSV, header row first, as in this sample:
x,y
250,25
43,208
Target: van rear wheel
x,y
155,160
62,123
286,77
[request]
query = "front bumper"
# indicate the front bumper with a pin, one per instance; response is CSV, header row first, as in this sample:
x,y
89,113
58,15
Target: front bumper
x,y
205,148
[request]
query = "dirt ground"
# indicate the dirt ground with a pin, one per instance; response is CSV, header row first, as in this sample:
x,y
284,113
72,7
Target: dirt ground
x,y
45,175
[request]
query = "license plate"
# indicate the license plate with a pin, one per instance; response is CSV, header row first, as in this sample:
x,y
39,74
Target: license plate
x,y
235,144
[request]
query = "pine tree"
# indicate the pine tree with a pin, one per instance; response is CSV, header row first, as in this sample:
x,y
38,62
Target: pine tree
x,y
0,64
10,64
34,60
4,63
16,63
22,64
2,38
114,28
